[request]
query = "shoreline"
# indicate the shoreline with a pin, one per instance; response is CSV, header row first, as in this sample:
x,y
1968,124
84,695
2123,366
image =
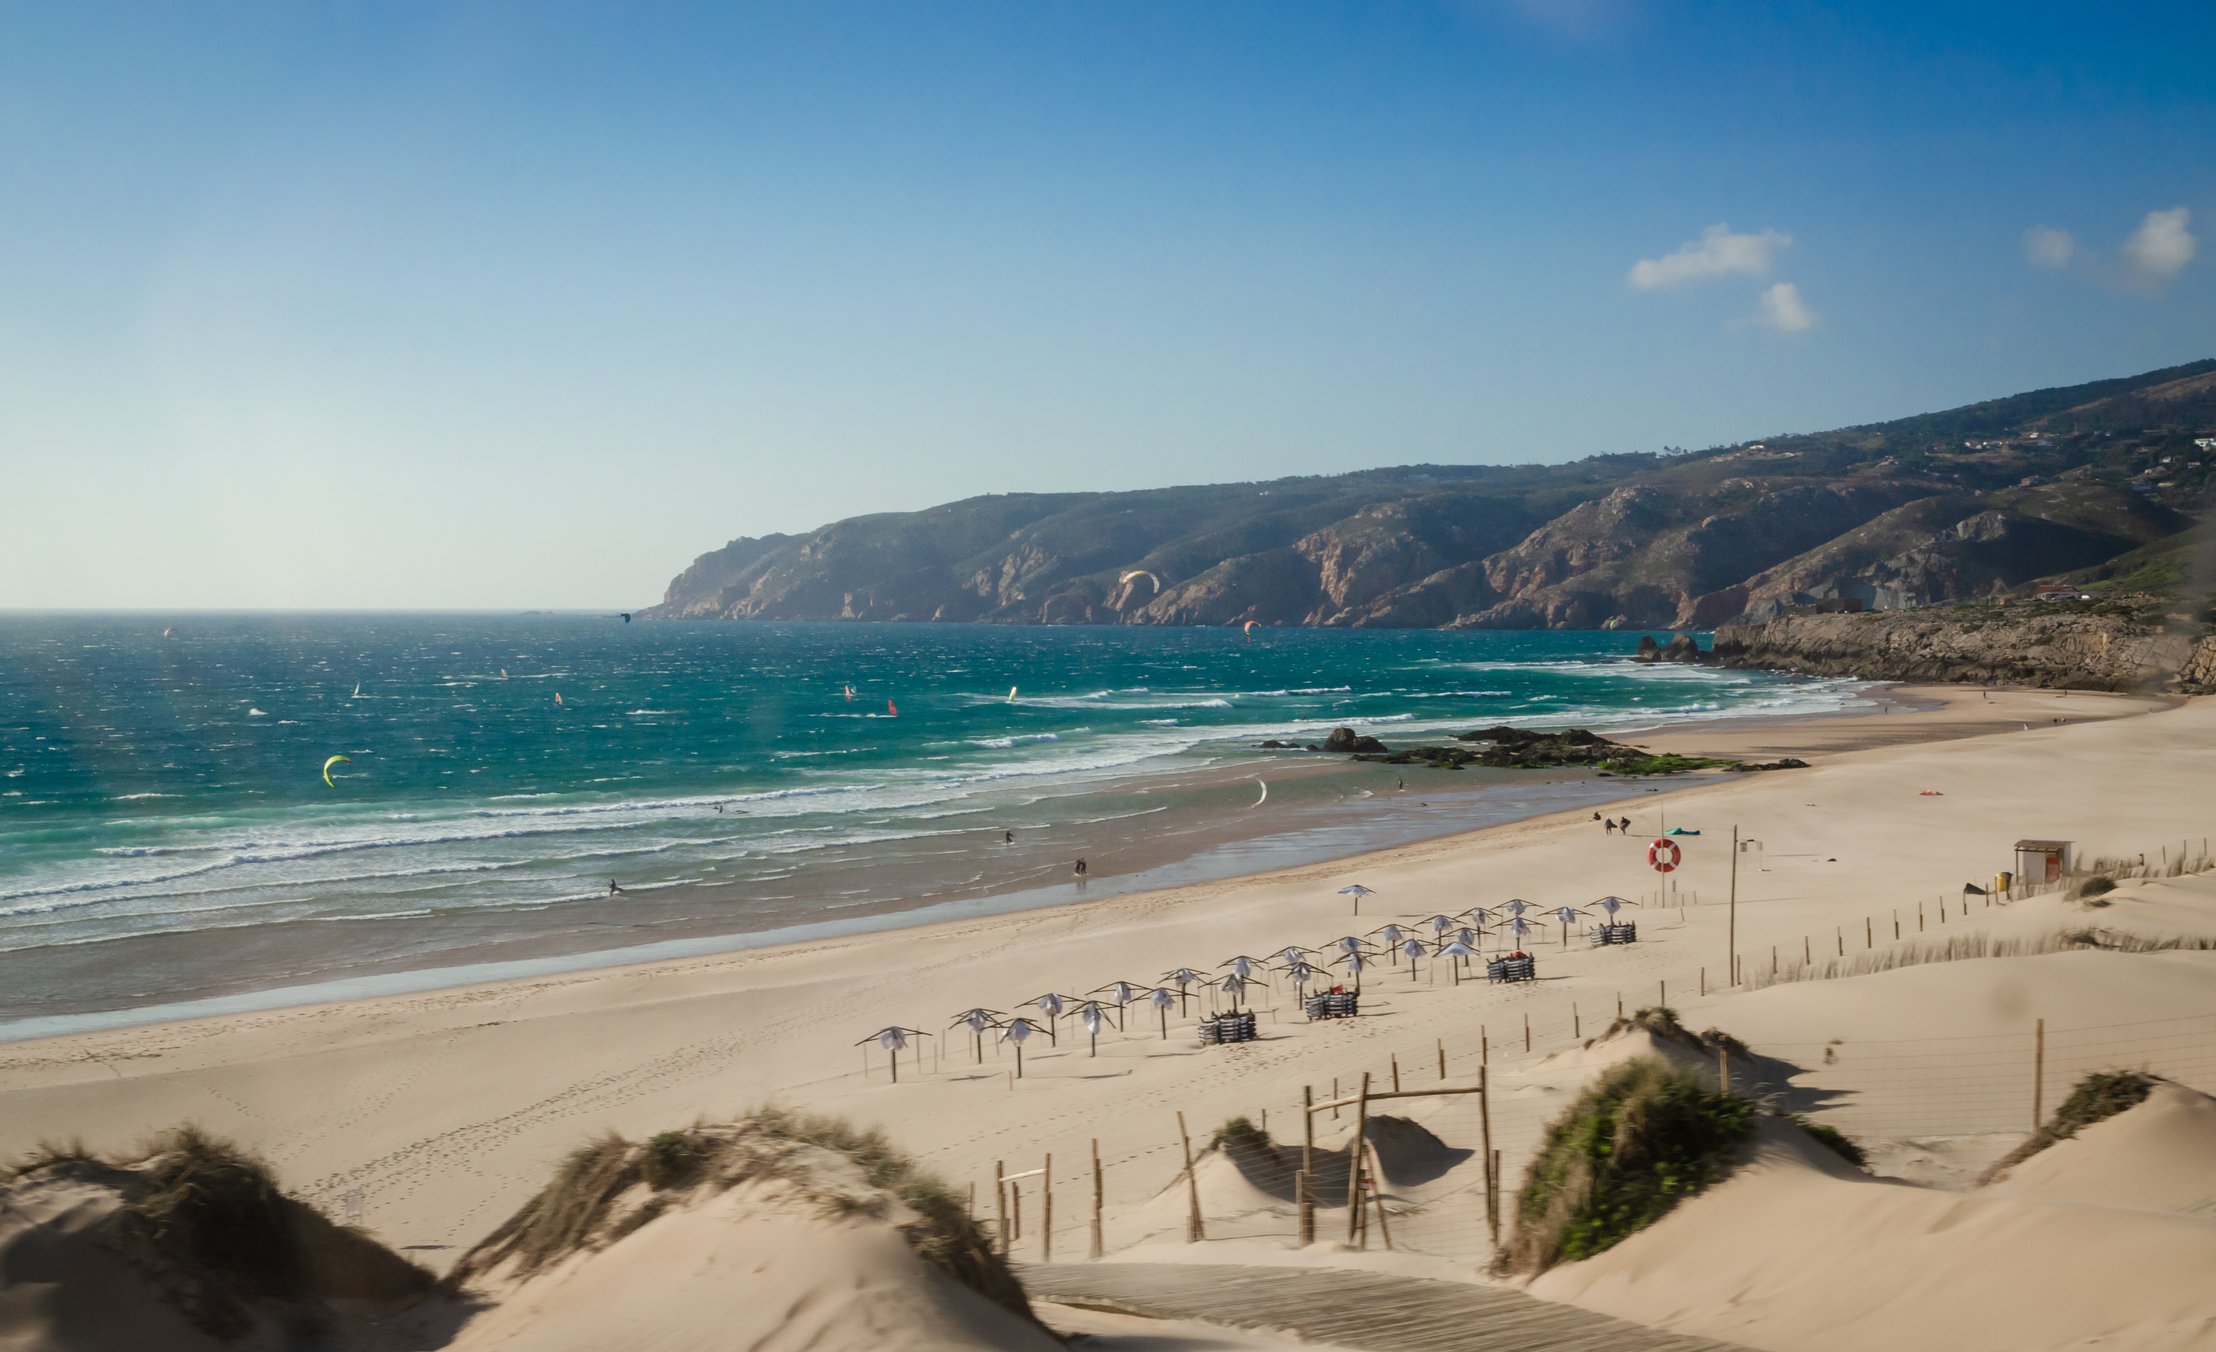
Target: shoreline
x,y
1225,857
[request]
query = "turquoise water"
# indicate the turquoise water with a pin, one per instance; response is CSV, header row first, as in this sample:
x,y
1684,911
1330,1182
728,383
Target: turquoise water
x,y
165,829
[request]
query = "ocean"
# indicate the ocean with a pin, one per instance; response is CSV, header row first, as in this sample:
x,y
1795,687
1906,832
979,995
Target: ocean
x,y
167,835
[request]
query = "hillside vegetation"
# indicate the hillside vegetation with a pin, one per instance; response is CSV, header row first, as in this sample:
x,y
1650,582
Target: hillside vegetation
x,y
2101,481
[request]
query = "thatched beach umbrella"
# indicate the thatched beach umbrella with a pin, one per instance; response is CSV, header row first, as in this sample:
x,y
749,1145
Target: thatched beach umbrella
x,y
1357,892
1567,915
1354,963
1050,1005
1391,935
1456,950
1120,993
894,1040
1235,986
977,1021
1018,1030
1092,1016
1161,999
1184,977
1414,948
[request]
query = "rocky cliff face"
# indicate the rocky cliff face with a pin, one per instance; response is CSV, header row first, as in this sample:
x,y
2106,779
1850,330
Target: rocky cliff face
x,y
1896,514
2063,652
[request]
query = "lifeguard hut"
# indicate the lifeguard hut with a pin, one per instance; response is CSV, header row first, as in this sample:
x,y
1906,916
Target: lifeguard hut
x,y
2041,861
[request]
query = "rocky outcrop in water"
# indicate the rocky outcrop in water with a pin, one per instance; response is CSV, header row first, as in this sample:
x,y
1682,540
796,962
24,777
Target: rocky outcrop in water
x,y
1983,647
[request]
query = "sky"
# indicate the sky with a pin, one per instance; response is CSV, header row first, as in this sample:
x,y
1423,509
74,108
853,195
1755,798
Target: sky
x,y
391,305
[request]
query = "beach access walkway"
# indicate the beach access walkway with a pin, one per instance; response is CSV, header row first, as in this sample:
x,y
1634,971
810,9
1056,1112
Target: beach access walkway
x,y
1370,1310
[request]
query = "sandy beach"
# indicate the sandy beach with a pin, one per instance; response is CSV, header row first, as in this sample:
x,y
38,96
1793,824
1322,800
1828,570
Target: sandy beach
x,y
434,1115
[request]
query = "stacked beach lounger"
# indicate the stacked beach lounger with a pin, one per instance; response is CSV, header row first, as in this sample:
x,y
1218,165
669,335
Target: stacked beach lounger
x,y
1625,933
1237,1027
1512,969
1333,1005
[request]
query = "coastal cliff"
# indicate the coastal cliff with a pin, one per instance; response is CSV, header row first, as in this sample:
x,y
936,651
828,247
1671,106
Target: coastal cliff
x,y
2059,652
1971,504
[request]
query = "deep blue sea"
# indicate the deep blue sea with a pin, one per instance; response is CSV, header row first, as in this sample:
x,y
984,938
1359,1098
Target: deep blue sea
x,y
166,832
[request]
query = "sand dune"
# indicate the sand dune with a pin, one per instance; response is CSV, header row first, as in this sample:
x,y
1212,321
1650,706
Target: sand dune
x,y
1797,1250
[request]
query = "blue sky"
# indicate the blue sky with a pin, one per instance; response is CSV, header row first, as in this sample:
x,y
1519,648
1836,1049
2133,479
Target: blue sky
x,y
527,304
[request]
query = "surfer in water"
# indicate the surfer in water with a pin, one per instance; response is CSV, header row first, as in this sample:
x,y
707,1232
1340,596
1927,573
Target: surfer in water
x,y
1080,869
1009,837
613,890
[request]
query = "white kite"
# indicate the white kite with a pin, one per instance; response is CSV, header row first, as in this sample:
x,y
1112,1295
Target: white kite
x,y
1141,572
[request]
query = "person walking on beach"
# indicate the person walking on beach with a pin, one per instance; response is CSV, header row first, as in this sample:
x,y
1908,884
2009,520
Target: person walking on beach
x,y
1625,826
1609,822
613,890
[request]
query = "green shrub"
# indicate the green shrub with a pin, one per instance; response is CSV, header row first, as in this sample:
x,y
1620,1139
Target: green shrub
x,y
2095,887
2098,1097
1643,1136
1831,1138
671,1159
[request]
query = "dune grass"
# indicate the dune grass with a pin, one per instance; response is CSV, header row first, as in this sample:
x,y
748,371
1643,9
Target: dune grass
x,y
208,1221
1642,1137
577,1210
2096,1098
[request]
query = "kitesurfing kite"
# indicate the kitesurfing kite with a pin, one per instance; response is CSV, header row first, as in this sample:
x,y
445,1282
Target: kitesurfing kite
x,y
1265,792
331,762
1249,627
1141,572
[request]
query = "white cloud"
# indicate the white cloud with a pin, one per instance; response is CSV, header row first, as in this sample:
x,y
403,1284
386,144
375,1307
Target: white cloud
x,y
1717,253
2161,247
1784,310
2046,248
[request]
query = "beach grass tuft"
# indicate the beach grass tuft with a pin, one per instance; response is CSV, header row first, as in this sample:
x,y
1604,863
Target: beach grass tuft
x,y
587,1204
1641,1138
2096,1098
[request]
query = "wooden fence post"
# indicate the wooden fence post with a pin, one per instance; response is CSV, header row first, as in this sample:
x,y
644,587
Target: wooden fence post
x,y
1000,1206
1046,1207
1377,1197
2038,1075
1308,1165
1527,1031
1195,1230
1485,1121
1097,1249
1354,1159
1396,1072
1442,1058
